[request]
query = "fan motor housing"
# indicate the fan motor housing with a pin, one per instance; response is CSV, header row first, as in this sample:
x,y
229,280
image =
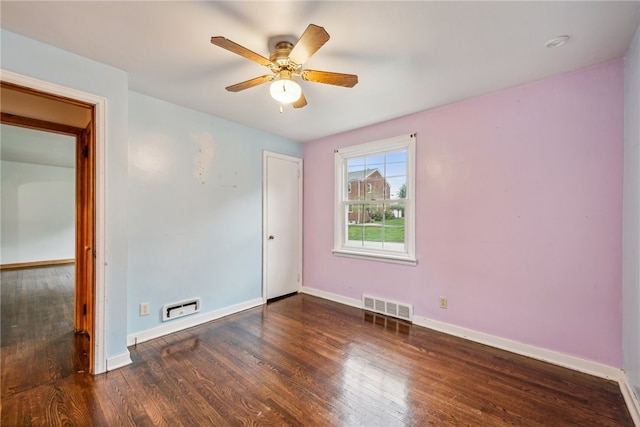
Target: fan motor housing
x,y
280,54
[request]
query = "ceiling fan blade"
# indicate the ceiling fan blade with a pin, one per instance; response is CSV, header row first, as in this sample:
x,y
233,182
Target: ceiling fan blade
x,y
327,77
301,102
250,83
313,38
240,50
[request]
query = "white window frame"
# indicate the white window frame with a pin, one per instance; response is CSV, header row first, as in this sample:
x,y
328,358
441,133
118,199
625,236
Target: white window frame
x,y
341,223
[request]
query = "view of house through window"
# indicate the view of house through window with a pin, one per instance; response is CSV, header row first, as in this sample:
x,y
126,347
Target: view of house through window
x,y
382,222
372,199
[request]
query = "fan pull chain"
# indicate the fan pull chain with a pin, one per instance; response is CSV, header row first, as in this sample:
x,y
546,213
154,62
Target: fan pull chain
x,y
281,108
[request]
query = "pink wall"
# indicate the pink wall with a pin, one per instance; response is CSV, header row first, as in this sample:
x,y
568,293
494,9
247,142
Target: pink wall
x,y
519,209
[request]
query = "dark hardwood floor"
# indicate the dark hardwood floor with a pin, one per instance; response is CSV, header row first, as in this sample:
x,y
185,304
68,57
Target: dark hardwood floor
x,y
38,345
299,361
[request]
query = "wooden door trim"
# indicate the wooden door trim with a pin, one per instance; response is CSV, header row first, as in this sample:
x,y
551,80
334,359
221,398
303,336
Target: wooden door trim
x,y
29,123
18,87
84,277
85,232
99,104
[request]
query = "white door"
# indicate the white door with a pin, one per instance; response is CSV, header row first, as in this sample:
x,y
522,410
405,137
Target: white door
x,y
282,225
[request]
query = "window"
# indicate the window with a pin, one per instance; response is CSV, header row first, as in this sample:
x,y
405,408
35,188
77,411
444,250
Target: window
x,y
375,200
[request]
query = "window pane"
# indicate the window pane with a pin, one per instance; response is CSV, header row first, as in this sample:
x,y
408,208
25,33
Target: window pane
x,y
396,174
356,168
375,162
355,214
377,177
396,164
398,187
376,226
397,157
384,175
356,179
355,164
393,227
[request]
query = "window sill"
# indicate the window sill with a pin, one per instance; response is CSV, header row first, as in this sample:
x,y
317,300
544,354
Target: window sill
x,y
399,259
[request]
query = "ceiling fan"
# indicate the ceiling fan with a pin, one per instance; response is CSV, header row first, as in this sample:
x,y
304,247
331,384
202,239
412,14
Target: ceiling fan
x,y
286,61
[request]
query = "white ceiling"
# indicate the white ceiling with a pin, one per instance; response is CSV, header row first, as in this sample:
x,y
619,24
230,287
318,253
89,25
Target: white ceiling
x,y
409,56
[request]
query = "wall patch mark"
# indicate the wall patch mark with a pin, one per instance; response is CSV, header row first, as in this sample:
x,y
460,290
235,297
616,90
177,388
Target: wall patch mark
x,y
204,157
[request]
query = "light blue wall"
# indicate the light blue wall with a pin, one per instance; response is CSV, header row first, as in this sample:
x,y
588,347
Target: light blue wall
x,y
631,217
31,58
193,224
194,208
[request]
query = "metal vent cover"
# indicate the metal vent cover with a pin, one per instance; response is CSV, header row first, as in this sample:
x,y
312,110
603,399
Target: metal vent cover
x,y
367,303
180,309
390,308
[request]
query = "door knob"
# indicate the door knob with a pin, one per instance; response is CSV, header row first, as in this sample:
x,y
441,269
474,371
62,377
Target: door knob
x,y
271,237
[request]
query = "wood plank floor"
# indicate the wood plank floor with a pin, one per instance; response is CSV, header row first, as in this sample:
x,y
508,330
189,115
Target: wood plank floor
x,y
38,344
299,361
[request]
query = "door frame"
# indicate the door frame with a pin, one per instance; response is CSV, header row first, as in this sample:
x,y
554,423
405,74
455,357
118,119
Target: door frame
x,y
265,231
84,208
100,119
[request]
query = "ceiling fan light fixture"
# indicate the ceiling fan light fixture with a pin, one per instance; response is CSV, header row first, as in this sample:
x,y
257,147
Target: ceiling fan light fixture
x,y
285,91
286,60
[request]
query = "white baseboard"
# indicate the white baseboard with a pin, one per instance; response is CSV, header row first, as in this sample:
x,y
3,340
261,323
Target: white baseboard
x,y
332,297
118,361
554,357
630,398
181,324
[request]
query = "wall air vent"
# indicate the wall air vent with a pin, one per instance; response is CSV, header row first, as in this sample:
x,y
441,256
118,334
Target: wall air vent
x,y
180,309
390,308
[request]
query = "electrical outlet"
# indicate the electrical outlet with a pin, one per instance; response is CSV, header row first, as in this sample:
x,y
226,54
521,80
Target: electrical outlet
x,y
144,309
443,302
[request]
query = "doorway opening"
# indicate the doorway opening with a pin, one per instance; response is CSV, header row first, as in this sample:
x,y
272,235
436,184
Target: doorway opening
x,y
33,109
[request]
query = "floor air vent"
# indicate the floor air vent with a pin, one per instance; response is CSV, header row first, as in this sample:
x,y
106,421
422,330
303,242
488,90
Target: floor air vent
x,y
179,309
390,308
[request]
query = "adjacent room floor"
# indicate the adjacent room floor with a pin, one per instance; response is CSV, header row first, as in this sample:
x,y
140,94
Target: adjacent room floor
x,y
300,361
